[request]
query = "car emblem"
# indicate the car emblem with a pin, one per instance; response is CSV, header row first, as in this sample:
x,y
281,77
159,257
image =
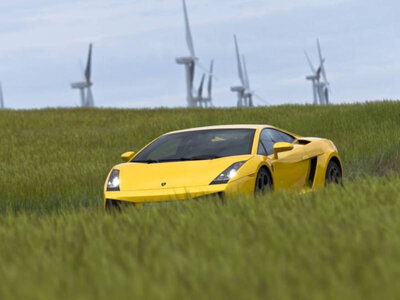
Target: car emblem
x,y
163,183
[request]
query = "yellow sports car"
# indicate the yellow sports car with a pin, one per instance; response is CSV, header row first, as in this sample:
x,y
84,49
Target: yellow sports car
x,y
230,159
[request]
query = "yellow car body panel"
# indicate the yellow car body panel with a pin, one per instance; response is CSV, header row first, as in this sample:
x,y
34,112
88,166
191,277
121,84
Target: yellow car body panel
x,y
179,180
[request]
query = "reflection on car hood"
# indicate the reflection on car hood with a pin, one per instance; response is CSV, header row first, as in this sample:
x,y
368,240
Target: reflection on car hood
x,y
143,176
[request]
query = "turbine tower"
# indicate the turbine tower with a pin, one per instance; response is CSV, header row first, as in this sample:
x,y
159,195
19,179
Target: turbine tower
x,y
194,98
243,91
1,97
85,86
320,89
248,94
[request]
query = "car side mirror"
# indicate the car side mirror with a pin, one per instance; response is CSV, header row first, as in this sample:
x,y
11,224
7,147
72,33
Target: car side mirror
x,y
127,156
281,147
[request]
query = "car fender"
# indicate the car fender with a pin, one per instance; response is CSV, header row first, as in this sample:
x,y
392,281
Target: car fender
x,y
251,169
322,165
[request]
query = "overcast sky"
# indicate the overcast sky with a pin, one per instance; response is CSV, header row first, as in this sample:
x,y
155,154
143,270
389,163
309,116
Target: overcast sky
x,y
136,42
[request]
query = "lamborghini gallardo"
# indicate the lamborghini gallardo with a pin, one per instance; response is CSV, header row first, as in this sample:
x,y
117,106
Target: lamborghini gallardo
x,y
222,160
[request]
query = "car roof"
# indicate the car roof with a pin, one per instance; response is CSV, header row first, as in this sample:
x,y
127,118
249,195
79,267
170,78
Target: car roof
x,y
234,126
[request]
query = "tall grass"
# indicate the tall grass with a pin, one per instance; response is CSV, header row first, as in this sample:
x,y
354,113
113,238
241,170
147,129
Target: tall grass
x,y
337,243
57,158
57,243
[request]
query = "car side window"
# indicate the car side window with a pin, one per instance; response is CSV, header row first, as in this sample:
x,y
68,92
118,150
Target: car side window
x,y
269,137
267,140
261,149
285,137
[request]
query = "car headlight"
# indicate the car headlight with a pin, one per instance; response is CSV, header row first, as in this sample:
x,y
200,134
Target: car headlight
x,y
228,174
113,181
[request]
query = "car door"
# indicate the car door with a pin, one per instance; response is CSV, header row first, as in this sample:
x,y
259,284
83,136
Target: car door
x,y
290,169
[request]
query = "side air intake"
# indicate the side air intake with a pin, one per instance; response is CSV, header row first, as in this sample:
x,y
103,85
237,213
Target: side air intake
x,y
303,142
313,167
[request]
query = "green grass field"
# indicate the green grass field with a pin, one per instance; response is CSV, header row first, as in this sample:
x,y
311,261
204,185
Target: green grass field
x,y
56,242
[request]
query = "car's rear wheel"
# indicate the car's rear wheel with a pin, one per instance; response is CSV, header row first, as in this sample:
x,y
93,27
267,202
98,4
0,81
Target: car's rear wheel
x,y
263,181
333,173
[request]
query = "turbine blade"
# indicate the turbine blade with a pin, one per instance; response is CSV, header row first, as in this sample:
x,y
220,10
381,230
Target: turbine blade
x,y
260,98
246,77
189,39
82,69
322,61
205,69
318,73
310,63
210,77
88,69
323,72
239,63
200,91
319,52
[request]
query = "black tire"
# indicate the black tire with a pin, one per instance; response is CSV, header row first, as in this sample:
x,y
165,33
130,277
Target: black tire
x,y
112,206
263,182
333,173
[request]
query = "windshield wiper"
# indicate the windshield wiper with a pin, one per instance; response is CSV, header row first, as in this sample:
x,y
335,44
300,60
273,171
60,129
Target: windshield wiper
x,y
200,157
148,161
197,157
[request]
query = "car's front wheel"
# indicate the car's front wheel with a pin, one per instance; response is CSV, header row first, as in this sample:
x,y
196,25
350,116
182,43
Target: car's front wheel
x,y
333,173
263,182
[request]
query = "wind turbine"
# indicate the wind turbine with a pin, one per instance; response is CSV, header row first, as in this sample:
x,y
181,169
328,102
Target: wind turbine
x,y
320,89
86,98
193,98
1,97
244,94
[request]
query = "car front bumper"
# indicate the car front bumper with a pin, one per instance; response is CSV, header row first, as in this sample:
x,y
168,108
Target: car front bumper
x,y
242,185
144,196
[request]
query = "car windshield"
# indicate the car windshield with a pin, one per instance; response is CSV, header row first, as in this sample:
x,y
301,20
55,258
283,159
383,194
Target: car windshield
x,y
198,145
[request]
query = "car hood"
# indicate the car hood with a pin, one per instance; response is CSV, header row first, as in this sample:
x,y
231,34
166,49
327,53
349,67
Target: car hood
x,y
143,176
